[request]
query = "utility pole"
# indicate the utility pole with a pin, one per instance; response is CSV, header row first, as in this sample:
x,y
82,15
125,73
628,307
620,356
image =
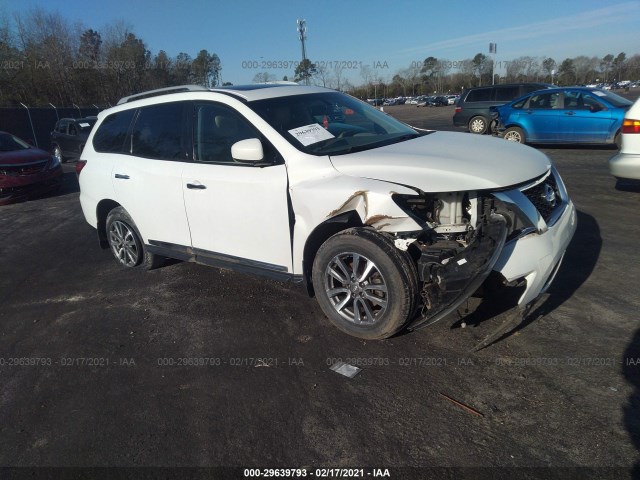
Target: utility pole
x,y
302,34
493,48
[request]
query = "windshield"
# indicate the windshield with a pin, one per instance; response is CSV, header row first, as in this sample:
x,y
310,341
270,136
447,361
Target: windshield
x,y
331,123
612,98
86,124
9,143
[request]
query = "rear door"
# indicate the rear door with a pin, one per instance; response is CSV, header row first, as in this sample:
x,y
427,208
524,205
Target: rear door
x,y
540,117
148,178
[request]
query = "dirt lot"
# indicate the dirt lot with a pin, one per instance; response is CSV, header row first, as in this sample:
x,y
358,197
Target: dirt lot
x,y
89,358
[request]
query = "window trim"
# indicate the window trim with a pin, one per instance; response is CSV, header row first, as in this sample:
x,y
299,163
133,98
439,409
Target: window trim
x,y
185,139
279,160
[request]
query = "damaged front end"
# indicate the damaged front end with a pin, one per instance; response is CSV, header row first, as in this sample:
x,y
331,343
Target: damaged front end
x,y
520,232
463,236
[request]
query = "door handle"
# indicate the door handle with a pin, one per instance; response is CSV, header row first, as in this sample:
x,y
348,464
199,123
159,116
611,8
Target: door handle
x,y
196,186
122,176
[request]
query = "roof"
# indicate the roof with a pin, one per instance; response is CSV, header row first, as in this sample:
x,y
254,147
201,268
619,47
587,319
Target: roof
x,y
248,93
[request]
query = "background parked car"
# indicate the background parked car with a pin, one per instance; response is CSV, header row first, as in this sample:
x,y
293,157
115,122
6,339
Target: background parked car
x,y
626,164
69,136
24,170
441,101
472,110
563,115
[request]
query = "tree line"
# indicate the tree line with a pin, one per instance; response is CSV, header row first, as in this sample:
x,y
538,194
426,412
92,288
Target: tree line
x,y
434,75
47,59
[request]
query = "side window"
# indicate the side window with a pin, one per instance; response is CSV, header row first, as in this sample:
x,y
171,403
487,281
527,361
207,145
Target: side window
x,y
217,128
480,95
72,129
520,104
590,102
159,132
62,127
112,132
542,101
573,101
506,94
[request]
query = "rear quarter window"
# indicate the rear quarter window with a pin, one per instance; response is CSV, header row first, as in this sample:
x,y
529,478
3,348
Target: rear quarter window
x,y
506,94
480,95
112,132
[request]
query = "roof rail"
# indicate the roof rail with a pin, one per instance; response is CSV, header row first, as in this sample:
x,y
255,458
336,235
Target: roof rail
x,y
162,91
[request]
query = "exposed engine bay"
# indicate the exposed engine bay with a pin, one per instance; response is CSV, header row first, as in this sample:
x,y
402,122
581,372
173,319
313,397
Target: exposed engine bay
x,y
462,238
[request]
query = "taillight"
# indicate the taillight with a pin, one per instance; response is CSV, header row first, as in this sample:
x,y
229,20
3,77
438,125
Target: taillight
x,y
458,109
80,165
631,126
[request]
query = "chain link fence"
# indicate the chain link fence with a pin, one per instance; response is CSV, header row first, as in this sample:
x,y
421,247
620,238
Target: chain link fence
x,y
35,124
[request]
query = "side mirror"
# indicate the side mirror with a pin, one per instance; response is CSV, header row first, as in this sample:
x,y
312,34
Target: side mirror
x,y
596,107
249,150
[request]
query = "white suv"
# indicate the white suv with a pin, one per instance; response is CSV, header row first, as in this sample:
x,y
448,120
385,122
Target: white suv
x,y
388,226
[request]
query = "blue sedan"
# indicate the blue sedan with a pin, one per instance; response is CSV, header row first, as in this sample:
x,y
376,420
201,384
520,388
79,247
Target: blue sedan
x,y
562,115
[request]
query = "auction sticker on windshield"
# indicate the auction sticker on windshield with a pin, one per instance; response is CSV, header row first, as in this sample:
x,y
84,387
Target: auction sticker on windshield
x,y
310,134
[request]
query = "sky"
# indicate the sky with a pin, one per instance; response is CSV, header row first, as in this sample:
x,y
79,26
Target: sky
x,y
385,35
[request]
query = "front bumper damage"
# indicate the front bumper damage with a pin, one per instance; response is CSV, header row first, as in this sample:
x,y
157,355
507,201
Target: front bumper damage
x,y
446,286
523,237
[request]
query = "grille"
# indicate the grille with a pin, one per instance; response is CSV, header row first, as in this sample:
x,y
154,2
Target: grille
x,y
544,196
24,169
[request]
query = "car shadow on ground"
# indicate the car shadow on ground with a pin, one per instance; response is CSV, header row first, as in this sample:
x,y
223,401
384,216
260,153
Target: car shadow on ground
x,y
579,261
631,411
628,185
576,146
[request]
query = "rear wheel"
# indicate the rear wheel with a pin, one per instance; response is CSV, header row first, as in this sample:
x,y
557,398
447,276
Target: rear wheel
x,y
478,125
514,134
364,284
126,243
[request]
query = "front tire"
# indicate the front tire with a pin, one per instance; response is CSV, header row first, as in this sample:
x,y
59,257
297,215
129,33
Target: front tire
x,y
57,152
514,134
364,284
478,125
126,243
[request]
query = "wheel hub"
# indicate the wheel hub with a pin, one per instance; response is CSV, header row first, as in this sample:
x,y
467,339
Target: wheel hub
x,y
356,288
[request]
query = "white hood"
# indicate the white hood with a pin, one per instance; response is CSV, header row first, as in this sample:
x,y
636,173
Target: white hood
x,y
447,162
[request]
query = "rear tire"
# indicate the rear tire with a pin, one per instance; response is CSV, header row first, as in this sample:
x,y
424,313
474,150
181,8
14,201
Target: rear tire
x,y
514,134
478,125
125,242
364,284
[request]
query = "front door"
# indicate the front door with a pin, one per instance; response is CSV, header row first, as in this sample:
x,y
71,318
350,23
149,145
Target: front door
x,y
237,212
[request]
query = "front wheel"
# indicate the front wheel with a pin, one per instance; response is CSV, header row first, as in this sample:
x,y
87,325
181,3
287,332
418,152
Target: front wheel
x,y
57,152
514,134
126,243
364,284
478,125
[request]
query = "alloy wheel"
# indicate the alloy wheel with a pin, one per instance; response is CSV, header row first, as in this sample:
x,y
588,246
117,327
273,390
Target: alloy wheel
x,y
123,244
356,288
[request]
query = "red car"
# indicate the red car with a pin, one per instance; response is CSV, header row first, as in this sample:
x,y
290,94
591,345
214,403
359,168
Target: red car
x,y
25,171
